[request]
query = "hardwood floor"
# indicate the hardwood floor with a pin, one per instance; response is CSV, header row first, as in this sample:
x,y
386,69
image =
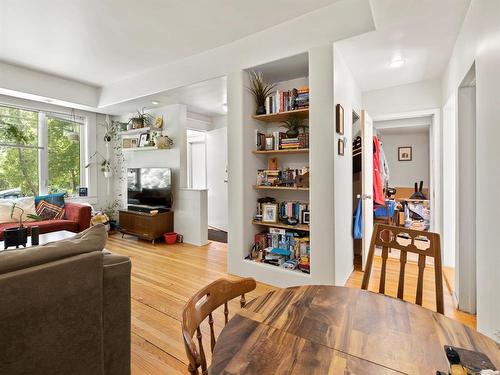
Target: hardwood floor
x,y
164,277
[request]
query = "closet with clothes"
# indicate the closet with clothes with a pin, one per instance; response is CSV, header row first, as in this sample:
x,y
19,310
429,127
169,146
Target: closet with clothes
x,y
399,171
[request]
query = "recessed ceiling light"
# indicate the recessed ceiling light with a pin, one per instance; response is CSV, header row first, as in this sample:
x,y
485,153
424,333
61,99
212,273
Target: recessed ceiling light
x,y
154,102
397,63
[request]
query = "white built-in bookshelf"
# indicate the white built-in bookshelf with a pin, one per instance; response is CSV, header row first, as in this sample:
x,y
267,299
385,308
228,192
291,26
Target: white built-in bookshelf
x,y
248,161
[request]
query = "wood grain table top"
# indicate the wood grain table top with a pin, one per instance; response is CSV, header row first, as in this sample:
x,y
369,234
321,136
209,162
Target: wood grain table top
x,y
338,330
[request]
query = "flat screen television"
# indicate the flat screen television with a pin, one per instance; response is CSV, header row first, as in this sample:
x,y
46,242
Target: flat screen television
x,y
149,187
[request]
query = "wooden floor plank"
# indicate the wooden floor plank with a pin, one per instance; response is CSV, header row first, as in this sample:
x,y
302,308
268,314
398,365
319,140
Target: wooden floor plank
x,y
164,277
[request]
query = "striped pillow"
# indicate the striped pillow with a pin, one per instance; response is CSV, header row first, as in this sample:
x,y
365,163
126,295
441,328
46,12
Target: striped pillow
x,y
50,207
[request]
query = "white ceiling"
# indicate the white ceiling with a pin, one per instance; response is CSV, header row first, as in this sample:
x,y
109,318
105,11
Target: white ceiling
x,y
103,41
422,32
206,98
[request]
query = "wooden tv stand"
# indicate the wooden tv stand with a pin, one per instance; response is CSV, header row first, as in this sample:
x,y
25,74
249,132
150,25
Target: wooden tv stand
x,y
145,225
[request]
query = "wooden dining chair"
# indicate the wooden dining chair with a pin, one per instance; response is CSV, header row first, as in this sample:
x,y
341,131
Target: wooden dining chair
x,y
424,244
199,307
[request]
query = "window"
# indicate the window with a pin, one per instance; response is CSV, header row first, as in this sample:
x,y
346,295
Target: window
x,y
40,153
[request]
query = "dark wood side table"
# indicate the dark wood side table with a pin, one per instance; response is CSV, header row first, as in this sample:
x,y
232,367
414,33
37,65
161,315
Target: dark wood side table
x,y
145,225
338,330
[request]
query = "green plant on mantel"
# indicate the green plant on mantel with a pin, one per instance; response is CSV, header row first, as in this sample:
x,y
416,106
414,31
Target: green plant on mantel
x,y
141,120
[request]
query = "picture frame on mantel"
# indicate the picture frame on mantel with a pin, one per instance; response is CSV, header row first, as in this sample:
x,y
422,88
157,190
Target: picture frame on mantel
x,y
339,119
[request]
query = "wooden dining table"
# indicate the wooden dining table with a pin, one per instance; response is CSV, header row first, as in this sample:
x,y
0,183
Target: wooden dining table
x,y
338,330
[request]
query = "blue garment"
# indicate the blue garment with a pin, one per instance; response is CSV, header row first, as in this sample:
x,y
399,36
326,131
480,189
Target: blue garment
x,y
358,222
381,211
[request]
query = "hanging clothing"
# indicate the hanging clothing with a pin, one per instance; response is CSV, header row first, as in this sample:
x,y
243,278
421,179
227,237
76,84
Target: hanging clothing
x,y
378,187
384,166
358,222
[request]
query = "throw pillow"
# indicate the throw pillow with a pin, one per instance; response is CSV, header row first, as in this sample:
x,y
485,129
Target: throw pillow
x,y
26,203
50,207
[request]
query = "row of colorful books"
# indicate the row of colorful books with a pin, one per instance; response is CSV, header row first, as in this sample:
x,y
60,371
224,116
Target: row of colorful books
x,y
279,141
283,101
276,177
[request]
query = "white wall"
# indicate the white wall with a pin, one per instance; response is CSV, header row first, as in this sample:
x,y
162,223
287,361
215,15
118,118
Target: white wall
x,y
465,259
342,19
479,42
347,94
406,98
190,215
406,173
217,178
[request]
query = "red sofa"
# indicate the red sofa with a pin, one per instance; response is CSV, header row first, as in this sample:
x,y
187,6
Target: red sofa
x,y
77,219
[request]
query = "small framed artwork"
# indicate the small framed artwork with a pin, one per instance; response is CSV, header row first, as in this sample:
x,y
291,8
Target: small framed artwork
x,y
404,153
127,142
134,142
306,217
272,164
269,213
83,191
339,119
341,147
269,143
143,139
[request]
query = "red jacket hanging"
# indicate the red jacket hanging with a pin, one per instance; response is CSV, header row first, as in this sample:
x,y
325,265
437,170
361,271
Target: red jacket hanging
x,y
378,188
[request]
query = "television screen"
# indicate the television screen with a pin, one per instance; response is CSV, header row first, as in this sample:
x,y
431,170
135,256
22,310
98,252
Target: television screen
x,y
149,187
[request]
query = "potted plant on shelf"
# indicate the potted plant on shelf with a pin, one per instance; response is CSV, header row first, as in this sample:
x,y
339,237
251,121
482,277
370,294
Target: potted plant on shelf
x,y
293,124
141,120
260,90
19,235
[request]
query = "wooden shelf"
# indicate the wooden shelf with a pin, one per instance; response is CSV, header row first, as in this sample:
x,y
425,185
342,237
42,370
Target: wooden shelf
x,y
145,148
135,131
301,227
283,116
289,151
280,188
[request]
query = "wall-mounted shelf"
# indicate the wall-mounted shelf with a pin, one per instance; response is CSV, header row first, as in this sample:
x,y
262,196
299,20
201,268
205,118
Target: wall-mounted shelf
x,y
291,151
280,188
283,116
145,148
301,227
135,131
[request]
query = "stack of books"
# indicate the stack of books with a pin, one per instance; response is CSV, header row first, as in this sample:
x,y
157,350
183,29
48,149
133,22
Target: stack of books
x,y
290,144
279,246
283,101
302,99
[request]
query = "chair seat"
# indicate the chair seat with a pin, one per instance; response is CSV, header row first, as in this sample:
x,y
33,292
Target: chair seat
x,y
46,226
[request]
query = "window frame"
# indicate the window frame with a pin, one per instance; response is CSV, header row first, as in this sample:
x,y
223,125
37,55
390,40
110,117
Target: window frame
x,y
43,144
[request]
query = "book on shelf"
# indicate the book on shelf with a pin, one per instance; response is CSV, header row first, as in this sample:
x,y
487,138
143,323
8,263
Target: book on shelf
x,y
284,101
286,209
282,248
279,141
284,177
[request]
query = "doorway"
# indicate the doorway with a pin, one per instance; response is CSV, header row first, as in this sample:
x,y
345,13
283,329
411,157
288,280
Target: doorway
x,y
407,140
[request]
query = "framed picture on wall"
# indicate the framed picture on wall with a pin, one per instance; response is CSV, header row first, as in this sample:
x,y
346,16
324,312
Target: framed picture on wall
x,y
143,139
339,119
269,213
404,153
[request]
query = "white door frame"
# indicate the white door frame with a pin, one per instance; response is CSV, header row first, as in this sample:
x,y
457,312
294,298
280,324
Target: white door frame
x,y
434,158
